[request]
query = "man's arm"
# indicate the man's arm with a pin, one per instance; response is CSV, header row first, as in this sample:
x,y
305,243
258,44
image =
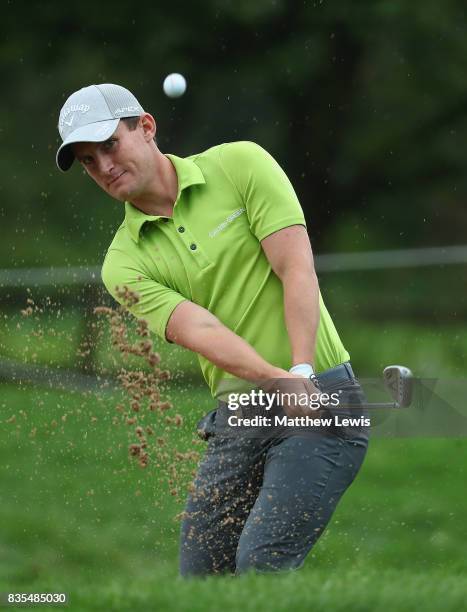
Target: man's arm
x,y
195,328
289,253
171,315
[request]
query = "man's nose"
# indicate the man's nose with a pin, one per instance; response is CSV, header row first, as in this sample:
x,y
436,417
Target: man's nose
x,y
106,164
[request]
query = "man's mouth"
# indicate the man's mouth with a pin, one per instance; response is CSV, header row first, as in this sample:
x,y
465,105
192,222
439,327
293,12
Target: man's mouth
x,y
117,177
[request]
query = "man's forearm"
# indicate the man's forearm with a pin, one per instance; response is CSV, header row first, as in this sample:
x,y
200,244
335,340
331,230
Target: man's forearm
x,y
301,310
289,252
231,353
193,327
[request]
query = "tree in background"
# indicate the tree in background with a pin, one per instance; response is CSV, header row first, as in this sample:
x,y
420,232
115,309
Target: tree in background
x,y
363,103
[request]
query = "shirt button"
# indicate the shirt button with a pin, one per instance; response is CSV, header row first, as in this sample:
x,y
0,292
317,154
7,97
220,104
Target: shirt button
x,y
181,229
193,247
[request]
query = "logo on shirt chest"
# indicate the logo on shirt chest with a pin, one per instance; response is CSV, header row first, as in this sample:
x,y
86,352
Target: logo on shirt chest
x,y
221,227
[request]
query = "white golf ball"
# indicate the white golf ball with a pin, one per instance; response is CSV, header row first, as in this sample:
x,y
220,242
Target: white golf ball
x,y
174,85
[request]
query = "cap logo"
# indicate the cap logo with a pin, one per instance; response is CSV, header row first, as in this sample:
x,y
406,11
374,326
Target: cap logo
x,y
83,108
126,109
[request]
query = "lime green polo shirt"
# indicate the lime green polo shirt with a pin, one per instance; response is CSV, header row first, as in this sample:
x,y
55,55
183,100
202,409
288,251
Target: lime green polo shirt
x,y
230,197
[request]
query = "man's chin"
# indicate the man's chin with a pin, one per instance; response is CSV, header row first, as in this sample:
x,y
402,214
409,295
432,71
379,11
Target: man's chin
x,y
122,195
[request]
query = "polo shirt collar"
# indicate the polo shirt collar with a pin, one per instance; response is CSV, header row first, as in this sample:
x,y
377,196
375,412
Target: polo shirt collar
x,y
188,174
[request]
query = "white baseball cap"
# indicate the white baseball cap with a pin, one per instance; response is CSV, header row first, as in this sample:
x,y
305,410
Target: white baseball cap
x,y
91,114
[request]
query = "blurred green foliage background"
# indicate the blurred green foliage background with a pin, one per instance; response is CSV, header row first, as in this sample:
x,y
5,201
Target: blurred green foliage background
x,y
363,103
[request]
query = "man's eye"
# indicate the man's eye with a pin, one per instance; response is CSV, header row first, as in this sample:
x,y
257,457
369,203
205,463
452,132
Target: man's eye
x,y
108,144
86,161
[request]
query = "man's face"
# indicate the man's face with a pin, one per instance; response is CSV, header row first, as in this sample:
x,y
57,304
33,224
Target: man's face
x,y
122,165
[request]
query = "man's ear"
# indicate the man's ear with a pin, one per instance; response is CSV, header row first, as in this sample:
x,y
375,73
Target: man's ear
x,y
148,123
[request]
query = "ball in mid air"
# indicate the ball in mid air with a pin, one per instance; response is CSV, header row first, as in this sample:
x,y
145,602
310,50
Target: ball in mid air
x,y
174,85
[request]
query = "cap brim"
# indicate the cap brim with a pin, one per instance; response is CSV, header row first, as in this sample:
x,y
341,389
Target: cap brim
x,y
93,132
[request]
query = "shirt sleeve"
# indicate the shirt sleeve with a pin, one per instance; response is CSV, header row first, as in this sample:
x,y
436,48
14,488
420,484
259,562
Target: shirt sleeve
x,y
270,200
156,302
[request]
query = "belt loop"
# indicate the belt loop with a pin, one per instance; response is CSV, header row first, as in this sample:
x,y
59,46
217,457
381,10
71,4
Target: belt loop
x,y
349,370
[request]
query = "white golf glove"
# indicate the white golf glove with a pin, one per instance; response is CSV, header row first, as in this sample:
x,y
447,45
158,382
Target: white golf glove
x,y
305,370
302,369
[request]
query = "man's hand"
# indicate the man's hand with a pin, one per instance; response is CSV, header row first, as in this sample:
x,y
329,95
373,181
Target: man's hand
x,y
300,397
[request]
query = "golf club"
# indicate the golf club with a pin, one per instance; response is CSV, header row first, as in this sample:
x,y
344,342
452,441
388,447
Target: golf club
x,y
398,380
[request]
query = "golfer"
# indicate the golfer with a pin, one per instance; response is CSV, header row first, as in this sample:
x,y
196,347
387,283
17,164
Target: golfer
x,y
216,247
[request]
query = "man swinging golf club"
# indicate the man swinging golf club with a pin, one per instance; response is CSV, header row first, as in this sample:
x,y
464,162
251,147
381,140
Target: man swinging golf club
x,y
216,247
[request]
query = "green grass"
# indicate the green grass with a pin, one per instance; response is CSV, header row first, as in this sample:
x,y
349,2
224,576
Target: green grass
x,y
78,515
340,589
54,339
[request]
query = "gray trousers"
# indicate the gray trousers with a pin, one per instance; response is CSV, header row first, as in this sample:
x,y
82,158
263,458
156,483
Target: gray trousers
x,y
261,503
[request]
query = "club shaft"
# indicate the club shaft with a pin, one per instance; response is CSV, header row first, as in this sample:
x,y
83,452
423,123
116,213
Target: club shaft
x,y
370,405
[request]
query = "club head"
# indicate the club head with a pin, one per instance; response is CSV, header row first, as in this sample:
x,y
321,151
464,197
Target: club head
x,y
399,382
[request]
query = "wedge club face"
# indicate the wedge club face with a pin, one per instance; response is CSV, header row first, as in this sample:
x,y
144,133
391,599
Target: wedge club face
x,y
399,382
